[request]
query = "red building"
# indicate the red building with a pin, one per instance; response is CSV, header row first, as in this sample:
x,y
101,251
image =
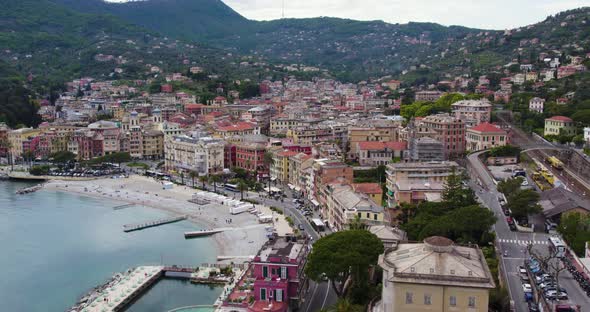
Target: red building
x,y
166,88
250,156
279,281
193,109
229,155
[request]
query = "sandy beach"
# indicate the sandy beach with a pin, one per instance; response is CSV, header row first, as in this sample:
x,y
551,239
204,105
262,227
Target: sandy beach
x,y
243,236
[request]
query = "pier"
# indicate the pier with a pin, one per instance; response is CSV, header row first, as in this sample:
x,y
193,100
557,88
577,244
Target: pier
x,y
123,206
140,226
31,189
122,290
201,233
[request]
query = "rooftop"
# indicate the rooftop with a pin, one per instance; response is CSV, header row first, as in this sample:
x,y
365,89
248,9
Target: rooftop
x,y
486,127
377,146
283,248
473,103
560,118
437,261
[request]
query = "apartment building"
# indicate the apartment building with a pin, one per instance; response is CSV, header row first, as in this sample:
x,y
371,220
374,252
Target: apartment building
x,y
250,156
435,275
203,154
426,149
485,136
152,144
413,182
385,132
450,131
537,105
345,205
279,281
472,112
16,140
374,154
428,96
559,124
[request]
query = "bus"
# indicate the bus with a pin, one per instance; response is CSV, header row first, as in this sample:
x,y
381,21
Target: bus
x,y
318,225
557,246
231,187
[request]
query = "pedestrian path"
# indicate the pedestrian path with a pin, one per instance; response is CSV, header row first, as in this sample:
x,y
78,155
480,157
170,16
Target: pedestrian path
x,y
522,242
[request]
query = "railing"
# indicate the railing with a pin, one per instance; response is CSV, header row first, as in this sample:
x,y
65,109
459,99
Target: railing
x,y
441,277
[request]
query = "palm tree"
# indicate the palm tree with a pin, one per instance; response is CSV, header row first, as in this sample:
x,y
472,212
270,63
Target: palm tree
x,y
268,162
203,179
344,305
242,186
193,174
182,177
214,179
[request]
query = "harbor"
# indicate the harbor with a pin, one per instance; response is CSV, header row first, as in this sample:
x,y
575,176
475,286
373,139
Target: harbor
x,y
124,288
140,226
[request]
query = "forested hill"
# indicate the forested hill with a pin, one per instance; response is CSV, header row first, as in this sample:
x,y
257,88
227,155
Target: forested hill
x,y
16,106
353,50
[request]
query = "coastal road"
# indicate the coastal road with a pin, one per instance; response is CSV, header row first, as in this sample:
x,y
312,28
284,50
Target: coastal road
x,y
319,295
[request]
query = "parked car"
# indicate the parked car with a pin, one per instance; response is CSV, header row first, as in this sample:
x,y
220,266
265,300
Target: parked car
x,y
300,227
524,278
521,269
527,288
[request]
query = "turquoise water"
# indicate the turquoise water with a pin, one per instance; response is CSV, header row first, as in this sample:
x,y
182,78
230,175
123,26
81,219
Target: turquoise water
x,y
56,246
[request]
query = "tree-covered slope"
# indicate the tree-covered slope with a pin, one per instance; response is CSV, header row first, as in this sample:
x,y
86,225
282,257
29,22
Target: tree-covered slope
x,y
16,106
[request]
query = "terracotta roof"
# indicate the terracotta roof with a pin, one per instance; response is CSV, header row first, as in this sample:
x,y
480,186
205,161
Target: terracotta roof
x,y
486,127
368,188
377,146
287,153
240,126
560,118
193,105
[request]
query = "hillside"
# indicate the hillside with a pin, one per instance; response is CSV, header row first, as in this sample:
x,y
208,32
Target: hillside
x,y
182,19
15,105
353,50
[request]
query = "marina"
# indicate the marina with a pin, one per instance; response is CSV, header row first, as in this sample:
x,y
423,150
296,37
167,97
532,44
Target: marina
x,y
140,226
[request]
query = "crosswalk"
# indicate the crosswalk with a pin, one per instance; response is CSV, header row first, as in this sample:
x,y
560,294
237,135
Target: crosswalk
x,y
522,242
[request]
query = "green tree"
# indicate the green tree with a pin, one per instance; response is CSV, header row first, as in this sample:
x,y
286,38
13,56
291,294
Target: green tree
x,y
454,193
342,255
193,174
357,224
269,161
182,177
510,186
63,157
203,179
214,179
242,186
344,305
524,203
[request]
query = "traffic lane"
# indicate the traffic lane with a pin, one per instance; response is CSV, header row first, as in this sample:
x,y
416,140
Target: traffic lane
x,y
515,283
575,293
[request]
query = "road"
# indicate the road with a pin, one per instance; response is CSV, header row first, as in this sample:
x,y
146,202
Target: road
x,y
319,295
514,243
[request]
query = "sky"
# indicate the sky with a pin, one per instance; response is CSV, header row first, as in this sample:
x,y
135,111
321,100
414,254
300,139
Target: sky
x,y
485,14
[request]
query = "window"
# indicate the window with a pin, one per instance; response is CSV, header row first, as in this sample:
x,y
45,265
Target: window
x,y
471,303
427,299
409,298
265,271
284,273
262,293
453,301
279,295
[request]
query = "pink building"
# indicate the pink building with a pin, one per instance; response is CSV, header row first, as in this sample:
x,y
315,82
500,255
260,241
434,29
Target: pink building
x,y
275,279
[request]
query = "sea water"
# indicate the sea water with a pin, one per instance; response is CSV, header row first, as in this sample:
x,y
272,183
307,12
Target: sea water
x,y
56,246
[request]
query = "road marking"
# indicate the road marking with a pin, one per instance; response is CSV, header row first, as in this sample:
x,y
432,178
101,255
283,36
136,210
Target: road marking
x,y
312,296
326,297
522,242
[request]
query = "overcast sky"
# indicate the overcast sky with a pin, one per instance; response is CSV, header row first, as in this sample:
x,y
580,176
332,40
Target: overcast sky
x,y
487,14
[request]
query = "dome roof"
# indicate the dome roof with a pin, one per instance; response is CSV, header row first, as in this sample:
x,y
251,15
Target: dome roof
x,y
439,244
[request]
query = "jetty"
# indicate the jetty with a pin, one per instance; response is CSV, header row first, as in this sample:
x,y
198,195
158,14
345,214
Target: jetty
x,y
201,233
140,226
120,291
31,189
123,206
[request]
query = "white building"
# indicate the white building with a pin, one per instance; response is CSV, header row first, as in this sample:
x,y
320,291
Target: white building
x,y
587,135
203,155
537,105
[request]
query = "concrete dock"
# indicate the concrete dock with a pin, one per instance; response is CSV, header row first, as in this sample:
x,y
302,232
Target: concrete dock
x,y
145,225
201,233
120,294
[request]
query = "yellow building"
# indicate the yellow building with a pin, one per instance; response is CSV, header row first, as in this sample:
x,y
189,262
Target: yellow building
x,y
435,275
153,144
559,124
381,133
16,139
345,205
280,169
